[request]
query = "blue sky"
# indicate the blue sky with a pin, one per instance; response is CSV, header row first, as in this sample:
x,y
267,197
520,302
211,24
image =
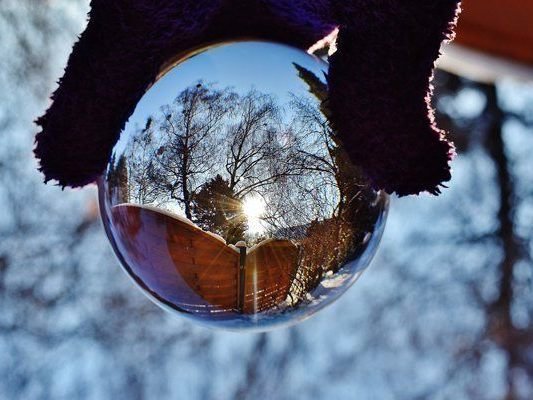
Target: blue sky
x,y
266,67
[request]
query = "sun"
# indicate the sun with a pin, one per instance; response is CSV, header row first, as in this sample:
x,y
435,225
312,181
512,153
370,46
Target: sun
x,y
254,208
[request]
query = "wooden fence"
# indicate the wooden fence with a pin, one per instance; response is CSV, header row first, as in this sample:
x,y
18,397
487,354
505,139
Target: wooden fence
x,y
196,272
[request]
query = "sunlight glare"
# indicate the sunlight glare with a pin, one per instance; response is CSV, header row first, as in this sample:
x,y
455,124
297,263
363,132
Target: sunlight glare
x,y
254,208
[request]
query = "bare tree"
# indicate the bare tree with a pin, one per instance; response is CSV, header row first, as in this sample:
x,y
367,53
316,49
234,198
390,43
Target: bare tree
x,y
255,157
141,166
189,130
207,132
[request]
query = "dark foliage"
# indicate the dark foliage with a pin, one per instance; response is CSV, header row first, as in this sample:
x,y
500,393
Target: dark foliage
x,y
218,210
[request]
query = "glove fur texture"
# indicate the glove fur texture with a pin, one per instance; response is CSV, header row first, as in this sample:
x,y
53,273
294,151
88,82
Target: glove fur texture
x,y
379,78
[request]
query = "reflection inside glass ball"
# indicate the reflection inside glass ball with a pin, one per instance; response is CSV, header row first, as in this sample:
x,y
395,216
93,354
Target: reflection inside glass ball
x,y
230,199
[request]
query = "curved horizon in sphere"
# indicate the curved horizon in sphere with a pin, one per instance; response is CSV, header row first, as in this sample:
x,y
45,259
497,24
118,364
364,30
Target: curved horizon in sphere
x,y
230,200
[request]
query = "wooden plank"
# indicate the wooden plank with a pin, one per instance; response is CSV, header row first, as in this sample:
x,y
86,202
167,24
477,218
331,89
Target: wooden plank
x,y
270,267
277,296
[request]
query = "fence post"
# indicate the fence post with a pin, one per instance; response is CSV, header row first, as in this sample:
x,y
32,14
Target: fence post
x,y
241,278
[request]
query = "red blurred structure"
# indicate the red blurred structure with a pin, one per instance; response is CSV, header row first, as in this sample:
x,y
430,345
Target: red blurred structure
x,y
501,28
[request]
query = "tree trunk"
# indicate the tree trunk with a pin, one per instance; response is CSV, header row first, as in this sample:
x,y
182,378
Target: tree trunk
x,y
501,326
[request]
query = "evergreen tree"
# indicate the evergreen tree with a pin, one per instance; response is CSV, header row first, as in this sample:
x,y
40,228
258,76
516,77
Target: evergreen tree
x,y
218,210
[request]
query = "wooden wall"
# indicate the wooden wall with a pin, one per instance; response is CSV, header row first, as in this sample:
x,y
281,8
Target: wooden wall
x,y
192,271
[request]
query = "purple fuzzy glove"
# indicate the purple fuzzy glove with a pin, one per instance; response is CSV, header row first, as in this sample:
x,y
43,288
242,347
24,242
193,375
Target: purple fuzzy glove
x,y
379,77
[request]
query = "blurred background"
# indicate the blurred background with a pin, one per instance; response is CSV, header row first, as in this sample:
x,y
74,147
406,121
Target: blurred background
x,y
445,312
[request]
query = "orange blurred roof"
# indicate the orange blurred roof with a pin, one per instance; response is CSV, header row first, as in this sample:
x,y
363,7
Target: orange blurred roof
x,y
502,28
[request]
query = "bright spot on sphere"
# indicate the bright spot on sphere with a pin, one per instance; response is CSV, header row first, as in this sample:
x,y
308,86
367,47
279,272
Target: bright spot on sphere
x,y
254,208
232,146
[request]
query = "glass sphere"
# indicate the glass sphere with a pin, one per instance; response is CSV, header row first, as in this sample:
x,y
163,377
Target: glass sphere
x,y
230,200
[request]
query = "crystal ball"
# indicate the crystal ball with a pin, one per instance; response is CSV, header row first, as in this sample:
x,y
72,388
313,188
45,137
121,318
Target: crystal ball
x,y
230,200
